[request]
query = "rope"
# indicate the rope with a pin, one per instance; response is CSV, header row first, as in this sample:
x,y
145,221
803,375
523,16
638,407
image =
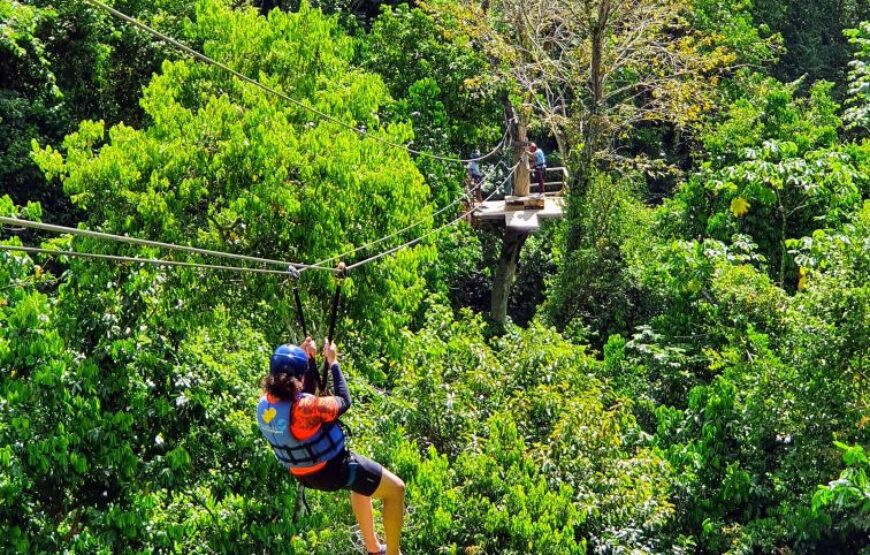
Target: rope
x,y
154,261
432,232
202,57
459,199
147,243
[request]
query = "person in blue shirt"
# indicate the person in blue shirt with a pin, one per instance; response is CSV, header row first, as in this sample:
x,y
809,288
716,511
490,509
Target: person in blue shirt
x,y
474,168
540,165
475,176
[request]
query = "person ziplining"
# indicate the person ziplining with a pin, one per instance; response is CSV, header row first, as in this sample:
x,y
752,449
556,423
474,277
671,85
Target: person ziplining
x,y
306,437
302,428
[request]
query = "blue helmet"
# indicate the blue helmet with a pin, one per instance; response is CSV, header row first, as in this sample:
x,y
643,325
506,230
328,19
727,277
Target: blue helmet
x,y
288,359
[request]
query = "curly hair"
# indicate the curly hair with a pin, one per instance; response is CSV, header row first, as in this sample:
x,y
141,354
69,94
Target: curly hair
x,y
283,386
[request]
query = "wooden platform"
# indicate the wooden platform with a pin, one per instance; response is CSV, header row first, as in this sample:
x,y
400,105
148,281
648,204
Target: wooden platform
x,y
520,213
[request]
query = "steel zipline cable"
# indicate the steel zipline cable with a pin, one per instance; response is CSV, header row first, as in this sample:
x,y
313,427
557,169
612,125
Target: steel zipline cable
x,y
135,260
203,58
413,242
289,268
409,227
146,243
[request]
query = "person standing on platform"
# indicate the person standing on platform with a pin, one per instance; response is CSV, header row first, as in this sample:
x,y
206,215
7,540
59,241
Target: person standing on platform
x,y
475,174
540,165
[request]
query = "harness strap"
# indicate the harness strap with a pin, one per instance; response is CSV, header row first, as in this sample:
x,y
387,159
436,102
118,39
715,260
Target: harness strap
x,y
288,453
300,313
340,274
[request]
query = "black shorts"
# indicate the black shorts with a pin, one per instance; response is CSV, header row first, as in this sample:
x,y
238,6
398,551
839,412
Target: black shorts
x,y
346,471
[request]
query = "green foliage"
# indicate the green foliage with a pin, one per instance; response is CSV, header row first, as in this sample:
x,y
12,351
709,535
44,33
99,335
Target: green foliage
x,y
848,498
580,475
592,295
64,61
30,100
438,77
812,34
730,27
858,115
766,380
764,109
225,167
775,172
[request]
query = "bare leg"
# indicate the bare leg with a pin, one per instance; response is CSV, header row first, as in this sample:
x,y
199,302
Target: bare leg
x,y
362,509
392,491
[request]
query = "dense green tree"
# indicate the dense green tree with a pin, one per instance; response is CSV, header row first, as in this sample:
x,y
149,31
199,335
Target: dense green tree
x,y
597,297
812,34
65,61
544,455
750,382
224,166
858,114
31,102
707,392
439,78
845,499
776,171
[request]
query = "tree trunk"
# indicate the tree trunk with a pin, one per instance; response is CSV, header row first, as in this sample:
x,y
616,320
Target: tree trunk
x,y
505,273
512,242
593,129
519,141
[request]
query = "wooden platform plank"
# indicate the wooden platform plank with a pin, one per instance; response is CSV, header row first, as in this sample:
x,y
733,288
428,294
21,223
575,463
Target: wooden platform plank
x,y
496,210
536,203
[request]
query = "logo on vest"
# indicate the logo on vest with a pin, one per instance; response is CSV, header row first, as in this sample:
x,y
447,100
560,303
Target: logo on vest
x,y
269,414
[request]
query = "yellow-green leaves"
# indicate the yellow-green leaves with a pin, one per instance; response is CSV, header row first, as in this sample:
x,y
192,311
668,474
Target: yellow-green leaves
x,y
739,207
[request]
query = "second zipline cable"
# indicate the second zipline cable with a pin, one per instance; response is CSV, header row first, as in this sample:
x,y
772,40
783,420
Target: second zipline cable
x,y
467,194
156,244
413,242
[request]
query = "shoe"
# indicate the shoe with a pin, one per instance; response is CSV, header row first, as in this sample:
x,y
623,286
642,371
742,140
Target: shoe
x,y
383,551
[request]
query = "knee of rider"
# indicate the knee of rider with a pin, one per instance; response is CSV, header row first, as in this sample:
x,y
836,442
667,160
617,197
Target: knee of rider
x,y
400,487
397,491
